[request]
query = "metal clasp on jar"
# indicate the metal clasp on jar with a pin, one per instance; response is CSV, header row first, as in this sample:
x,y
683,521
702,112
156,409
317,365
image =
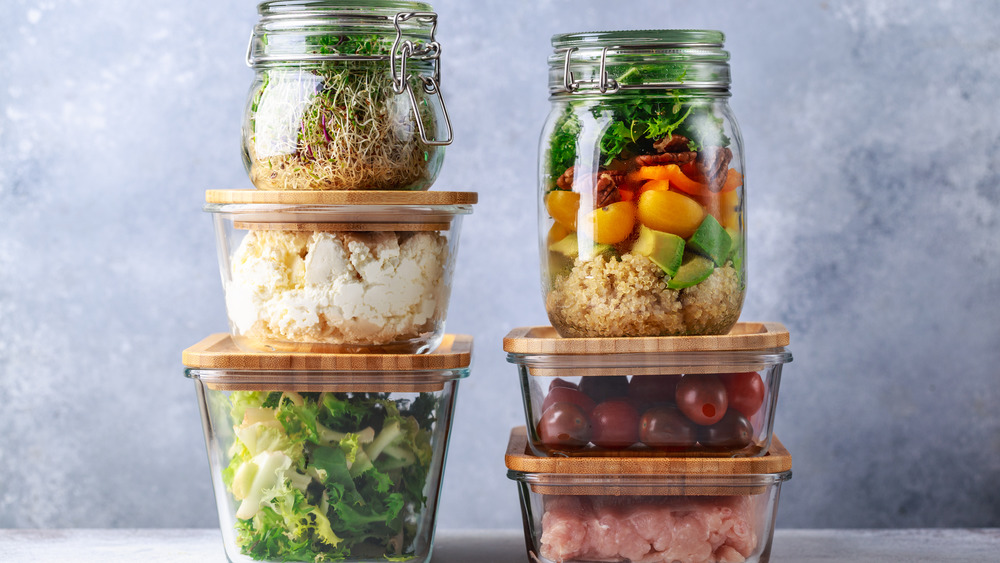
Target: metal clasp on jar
x,y
403,50
605,84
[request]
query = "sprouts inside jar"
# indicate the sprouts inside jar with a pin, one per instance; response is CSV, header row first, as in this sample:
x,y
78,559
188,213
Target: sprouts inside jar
x,y
338,124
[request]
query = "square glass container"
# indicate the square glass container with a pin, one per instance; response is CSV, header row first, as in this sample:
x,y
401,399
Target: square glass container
x,y
337,272
703,396
323,457
693,510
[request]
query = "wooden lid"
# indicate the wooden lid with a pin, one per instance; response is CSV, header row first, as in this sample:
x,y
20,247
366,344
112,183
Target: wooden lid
x,y
356,197
342,227
219,352
743,336
519,458
313,383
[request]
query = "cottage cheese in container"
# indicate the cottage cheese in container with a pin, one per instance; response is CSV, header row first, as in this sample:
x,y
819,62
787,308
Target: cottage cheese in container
x,y
333,275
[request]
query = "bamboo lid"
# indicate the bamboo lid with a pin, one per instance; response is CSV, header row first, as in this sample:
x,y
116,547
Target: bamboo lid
x,y
743,336
356,197
519,458
219,352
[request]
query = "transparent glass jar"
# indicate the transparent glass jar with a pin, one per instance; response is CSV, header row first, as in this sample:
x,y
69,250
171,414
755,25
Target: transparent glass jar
x,y
338,272
630,509
641,193
650,397
327,457
346,96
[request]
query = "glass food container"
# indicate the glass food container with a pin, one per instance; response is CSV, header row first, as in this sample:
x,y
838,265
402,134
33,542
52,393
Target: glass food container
x,y
647,509
641,189
694,396
346,96
356,272
325,457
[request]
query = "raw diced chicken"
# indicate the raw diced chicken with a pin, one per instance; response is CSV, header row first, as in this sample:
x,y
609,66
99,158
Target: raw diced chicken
x,y
648,529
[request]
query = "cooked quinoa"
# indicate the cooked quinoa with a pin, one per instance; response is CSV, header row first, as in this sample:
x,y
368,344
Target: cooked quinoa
x,y
608,297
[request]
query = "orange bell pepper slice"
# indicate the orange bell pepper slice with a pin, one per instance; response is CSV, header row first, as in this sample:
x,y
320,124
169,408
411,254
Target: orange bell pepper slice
x,y
733,180
671,173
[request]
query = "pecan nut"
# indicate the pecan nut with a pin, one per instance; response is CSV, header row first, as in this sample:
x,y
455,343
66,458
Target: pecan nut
x,y
666,158
565,181
672,143
712,165
606,192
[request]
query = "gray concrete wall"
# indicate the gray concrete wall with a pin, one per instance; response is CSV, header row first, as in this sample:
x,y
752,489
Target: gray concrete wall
x,y
872,133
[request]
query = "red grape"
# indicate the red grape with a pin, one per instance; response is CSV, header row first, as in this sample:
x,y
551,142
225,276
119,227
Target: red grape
x,y
648,390
615,424
604,387
564,425
560,382
745,391
733,432
702,398
665,428
567,395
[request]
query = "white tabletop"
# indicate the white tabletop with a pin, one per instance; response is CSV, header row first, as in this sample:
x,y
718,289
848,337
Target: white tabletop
x,y
499,546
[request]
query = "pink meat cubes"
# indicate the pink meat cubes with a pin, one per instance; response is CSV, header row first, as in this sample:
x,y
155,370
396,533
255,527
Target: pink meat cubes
x,y
693,529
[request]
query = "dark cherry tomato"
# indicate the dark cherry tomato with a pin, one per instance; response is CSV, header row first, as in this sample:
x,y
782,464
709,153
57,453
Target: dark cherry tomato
x,y
745,391
604,387
567,395
702,398
563,425
560,382
665,428
615,423
733,432
647,390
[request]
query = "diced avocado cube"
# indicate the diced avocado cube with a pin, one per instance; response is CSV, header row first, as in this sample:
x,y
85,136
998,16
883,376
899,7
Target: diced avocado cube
x,y
663,249
599,250
568,246
711,240
694,270
736,248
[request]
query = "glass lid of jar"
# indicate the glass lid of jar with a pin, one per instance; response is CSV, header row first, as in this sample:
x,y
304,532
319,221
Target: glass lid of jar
x,y
606,62
374,7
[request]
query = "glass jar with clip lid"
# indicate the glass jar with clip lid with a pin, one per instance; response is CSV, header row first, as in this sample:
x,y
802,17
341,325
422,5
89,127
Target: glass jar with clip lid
x,y
641,192
346,96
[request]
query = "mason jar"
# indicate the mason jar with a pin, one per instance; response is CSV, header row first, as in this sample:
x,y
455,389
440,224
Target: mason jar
x,y
641,192
346,96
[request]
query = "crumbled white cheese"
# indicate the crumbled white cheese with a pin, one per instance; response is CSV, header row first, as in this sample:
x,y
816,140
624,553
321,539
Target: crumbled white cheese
x,y
338,288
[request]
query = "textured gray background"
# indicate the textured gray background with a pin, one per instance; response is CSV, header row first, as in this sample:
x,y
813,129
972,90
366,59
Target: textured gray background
x,y
872,137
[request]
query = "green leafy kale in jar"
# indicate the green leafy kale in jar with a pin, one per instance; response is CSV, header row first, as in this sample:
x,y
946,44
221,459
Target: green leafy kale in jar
x,y
346,97
641,190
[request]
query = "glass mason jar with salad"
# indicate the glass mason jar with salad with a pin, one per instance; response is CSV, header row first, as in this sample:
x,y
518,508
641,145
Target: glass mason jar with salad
x,y
346,96
642,218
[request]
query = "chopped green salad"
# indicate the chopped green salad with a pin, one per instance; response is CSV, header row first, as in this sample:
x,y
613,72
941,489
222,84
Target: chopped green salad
x,y
327,476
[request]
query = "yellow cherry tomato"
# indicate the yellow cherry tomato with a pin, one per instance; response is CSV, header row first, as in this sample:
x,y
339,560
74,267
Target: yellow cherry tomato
x,y
610,224
556,233
670,212
729,203
563,206
661,185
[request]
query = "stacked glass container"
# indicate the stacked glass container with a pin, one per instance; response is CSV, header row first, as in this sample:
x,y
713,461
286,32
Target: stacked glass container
x,y
327,407
649,407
